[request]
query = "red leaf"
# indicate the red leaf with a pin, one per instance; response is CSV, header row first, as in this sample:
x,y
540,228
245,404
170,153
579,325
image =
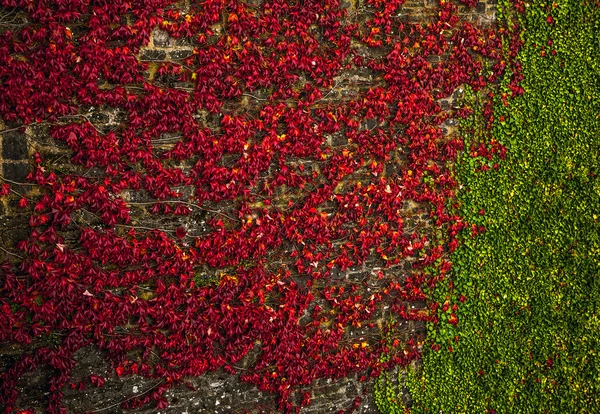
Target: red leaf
x,y
97,380
180,232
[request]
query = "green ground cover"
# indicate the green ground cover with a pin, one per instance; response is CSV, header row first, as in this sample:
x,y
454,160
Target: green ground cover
x,y
528,333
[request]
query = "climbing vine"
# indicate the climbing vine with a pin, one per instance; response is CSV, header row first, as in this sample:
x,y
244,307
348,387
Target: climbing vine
x,y
263,182
528,331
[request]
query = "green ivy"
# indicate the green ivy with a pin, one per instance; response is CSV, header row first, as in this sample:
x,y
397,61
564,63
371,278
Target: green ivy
x,y
387,398
529,332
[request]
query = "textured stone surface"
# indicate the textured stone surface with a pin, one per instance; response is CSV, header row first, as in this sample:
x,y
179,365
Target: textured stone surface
x,y
215,392
14,146
152,54
16,171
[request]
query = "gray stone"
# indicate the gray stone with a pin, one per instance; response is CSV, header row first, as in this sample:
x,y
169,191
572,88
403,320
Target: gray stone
x,y
183,41
371,124
14,146
16,171
162,39
180,54
339,140
150,54
99,118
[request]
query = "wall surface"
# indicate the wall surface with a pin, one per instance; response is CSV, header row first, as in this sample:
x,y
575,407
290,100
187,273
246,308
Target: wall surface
x,y
218,391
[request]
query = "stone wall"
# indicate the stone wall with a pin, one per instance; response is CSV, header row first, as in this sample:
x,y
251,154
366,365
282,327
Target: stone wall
x,y
215,392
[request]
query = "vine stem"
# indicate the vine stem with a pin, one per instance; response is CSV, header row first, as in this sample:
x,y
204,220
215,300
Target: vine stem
x,y
191,205
11,253
128,399
15,182
12,129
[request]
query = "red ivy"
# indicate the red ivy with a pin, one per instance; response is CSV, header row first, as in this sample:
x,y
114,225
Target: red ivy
x,y
238,141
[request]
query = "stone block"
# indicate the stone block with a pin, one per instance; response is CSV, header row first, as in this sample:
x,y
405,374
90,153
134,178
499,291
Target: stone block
x,y
14,146
445,105
151,54
370,124
184,42
16,171
98,117
180,54
162,39
339,140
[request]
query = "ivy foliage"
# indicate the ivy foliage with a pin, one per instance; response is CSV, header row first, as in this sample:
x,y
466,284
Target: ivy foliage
x,y
528,333
254,201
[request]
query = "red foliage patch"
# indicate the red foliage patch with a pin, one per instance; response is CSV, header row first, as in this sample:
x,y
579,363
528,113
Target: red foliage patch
x,y
236,140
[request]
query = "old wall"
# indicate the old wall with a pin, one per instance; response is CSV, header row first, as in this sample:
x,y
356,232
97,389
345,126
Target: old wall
x,y
218,391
